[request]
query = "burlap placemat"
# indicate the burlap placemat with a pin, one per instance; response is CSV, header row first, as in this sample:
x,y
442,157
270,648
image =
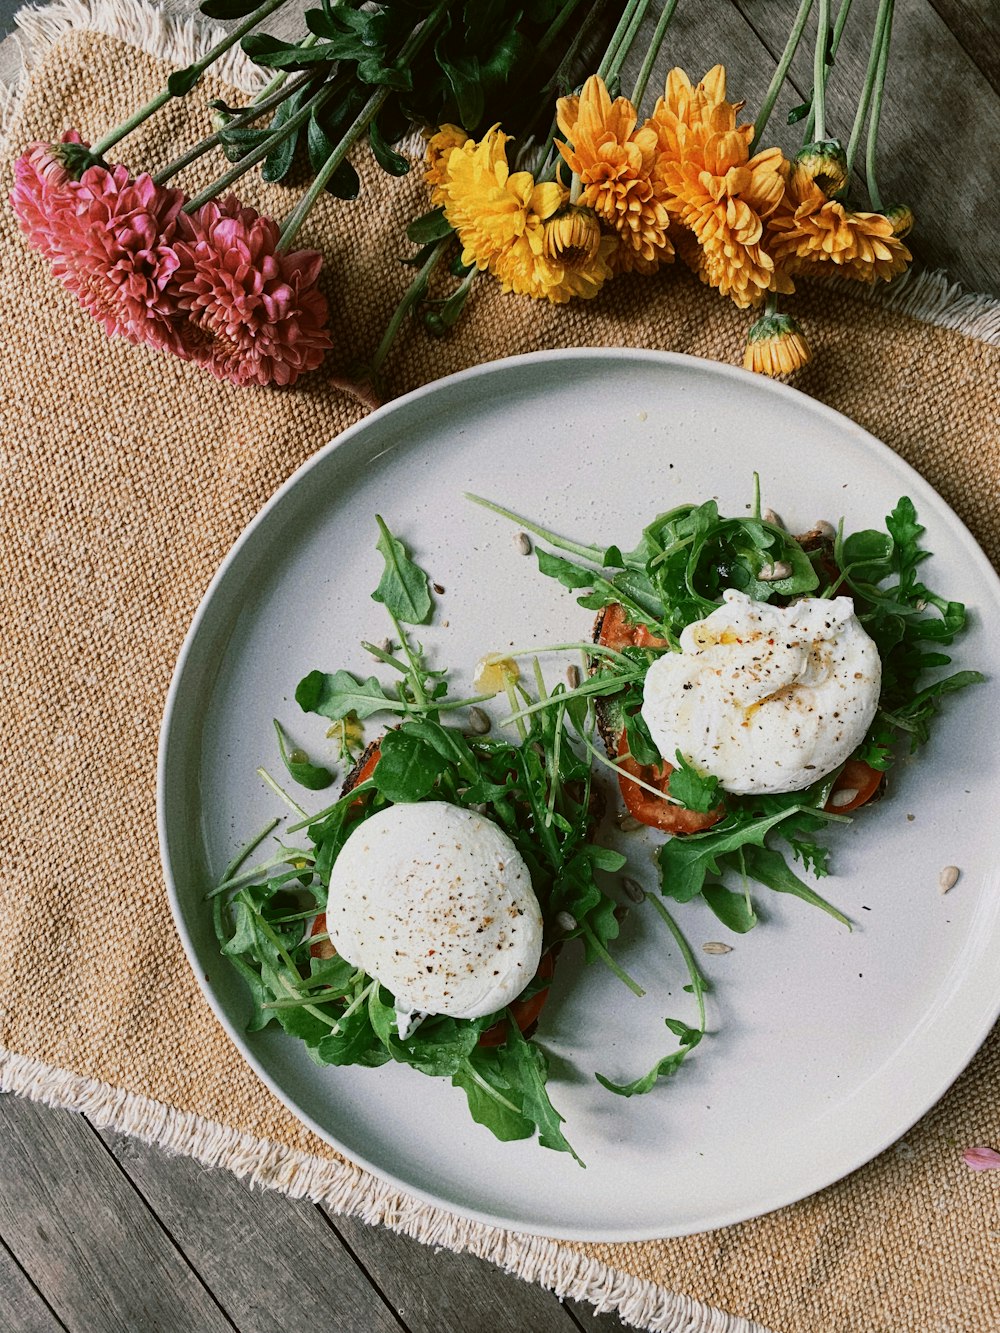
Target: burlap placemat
x,y
124,479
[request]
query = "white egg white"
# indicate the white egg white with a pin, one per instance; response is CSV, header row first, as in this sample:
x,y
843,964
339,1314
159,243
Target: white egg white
x,y
766,698
437,903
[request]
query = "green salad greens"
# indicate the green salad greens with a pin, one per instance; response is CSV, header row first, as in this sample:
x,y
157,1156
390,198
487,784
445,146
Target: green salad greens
x,y
536,787
676,575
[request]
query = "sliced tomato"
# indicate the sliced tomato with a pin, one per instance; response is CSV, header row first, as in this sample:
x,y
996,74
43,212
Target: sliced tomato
x,y
321,948
859,778
652,810
618,632
524,1012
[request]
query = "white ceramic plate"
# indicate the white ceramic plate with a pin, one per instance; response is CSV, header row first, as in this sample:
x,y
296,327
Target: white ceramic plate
x,y
827,1044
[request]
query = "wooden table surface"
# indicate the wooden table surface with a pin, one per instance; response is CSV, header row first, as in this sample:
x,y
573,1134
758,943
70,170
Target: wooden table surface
x,y
102,1234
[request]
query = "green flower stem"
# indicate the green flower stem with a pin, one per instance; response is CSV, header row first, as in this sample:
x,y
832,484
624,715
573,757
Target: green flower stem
x,y
300,212
606,958
838,32
253,112
615,66
617,37
872,145
556,27
258,154
656,41
417,38
414,294
781,73
882,20
199,67
819,68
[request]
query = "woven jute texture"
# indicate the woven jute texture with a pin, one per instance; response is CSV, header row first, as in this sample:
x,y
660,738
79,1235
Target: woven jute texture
x,y
124,479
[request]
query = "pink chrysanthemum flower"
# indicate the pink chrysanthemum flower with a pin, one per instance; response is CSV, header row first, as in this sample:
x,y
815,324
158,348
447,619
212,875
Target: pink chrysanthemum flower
x,y
41,191
254,316
113,249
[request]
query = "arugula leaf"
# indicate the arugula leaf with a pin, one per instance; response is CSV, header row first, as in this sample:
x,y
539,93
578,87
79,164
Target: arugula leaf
x,y
694,790
403,588
310,775
408,767
686,862
689,1039
491,1098
733,909
334,696
769,868
526,1069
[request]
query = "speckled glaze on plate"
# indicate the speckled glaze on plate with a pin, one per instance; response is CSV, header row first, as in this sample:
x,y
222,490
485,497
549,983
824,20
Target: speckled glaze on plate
x,y
826,1045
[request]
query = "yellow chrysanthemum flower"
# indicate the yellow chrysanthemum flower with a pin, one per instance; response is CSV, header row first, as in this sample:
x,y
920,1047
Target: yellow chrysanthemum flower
x,y
813,234
775,346
439,149
715,190
725,200
614,162
501,218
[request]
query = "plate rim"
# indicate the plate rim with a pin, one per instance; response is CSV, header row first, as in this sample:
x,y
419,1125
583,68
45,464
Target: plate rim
x,y
726,372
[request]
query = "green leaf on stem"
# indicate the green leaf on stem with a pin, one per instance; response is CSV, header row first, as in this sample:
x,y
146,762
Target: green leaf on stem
x,y
395,164
403,588
428,228
307,774
182,81
336,695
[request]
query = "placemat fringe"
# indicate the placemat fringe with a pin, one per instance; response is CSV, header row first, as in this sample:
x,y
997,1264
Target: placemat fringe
x,y
168,37
345,1188
932,298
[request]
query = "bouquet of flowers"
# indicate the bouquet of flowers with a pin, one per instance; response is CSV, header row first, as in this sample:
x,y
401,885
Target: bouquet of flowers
x,y
552,185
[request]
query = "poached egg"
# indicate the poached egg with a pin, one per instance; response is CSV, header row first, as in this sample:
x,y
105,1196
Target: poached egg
x,y
766,698
437,903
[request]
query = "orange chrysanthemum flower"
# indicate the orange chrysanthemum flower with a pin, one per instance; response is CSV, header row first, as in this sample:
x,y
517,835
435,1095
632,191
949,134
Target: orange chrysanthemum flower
x,y
614,162
501,218
775,346
813,234
715,189
439,149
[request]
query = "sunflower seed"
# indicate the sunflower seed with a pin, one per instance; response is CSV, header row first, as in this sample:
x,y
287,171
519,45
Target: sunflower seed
x,y
621,912
781,569
566,921
716,946
385,645
633,889
522,543
438,589
844,797
825,530
479,721
769,516
573,676
948,878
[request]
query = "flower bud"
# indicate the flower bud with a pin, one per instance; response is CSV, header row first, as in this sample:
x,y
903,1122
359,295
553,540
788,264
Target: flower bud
x,y
572,237
901,219
823,164
775,346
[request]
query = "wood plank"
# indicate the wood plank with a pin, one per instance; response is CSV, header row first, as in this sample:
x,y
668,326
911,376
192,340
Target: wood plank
x,y
272,1263
976,25
83,1235
437,1291
939,114
22,1309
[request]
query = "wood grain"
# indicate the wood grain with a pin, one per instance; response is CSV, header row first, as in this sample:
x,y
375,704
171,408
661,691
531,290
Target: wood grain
x,y
976,25
272,1263
22,1309
442,1292
83,1235
940,113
